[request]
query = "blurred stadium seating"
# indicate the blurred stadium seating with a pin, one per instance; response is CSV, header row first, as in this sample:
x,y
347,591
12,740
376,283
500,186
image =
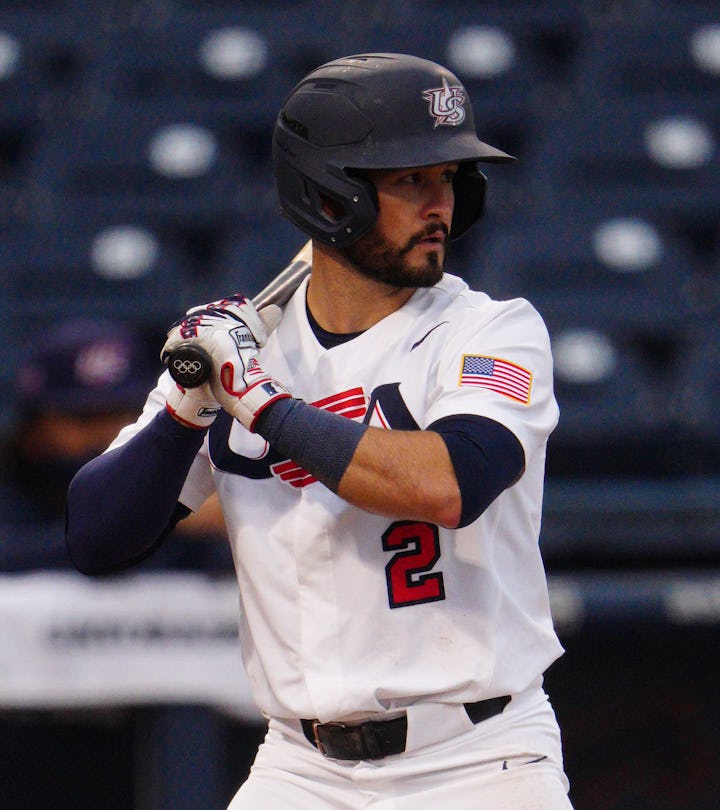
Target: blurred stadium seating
x,y
135,174
135,180
136,177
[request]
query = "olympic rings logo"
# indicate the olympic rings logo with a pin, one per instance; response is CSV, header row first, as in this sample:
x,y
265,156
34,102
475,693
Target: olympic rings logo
x,y
187,367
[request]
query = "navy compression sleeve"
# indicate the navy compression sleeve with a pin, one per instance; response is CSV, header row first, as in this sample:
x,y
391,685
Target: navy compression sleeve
x,y
486,456
321,442
121,504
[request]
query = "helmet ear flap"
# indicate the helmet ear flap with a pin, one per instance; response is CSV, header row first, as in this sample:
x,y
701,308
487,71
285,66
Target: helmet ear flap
x,y
336,208
469,185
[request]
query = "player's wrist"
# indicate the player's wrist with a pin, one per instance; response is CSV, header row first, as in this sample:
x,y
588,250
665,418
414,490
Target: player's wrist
x,y
254,401
321,442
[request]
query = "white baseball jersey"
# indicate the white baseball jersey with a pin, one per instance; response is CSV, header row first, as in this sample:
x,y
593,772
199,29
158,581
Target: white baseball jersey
x,y
346,614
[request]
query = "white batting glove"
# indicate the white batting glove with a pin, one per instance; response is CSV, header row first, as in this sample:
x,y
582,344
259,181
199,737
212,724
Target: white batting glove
x,y
244,390
193,407
231,331
201,324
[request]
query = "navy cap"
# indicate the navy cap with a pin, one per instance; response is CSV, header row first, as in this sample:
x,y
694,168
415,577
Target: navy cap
x,y
85,366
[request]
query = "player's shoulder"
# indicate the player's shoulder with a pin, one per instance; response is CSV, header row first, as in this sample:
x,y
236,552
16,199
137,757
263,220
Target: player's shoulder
x,y
464,305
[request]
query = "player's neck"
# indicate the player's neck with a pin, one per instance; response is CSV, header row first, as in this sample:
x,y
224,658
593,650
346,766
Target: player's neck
x,y
343,300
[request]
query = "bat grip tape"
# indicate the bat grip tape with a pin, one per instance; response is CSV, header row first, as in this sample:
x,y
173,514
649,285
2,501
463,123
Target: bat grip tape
x,y
321,442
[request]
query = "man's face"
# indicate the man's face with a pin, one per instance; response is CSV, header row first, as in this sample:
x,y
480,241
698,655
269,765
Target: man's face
x,y
409,243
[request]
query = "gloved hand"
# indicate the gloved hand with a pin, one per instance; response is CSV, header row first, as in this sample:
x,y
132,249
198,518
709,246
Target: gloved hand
x,y
231,331
194,407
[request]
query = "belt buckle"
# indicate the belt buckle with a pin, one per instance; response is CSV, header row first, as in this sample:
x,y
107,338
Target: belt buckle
x,y
316,736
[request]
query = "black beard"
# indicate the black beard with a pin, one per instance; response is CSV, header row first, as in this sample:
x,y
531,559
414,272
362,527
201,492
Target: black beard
x,y
377,259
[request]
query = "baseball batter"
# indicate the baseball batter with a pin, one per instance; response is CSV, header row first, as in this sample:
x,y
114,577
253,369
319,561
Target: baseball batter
x,y
378,448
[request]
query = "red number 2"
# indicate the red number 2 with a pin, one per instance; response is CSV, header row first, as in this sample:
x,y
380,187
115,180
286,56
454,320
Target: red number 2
x,y
407,580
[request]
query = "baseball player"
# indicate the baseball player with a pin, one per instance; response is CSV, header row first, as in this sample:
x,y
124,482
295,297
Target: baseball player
x,y
379,455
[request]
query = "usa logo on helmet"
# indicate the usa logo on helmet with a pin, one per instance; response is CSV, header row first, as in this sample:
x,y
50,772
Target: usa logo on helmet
x,y
446,105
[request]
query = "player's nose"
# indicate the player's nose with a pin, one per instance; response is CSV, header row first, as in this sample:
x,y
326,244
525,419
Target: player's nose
x,y
439,202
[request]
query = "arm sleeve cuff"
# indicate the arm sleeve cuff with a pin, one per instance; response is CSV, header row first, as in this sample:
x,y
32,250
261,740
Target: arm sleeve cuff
x,y
487,459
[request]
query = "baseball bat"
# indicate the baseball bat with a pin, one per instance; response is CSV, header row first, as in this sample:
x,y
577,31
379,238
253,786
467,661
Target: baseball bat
x,y
190,365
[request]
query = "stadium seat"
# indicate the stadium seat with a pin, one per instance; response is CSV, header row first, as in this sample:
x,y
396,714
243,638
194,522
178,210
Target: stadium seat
x,y
618,424
95,266
657,150
46,58
670,48
696,389
127,162
54,50
601,261
162,66
652,416
249,256
505,48
636,403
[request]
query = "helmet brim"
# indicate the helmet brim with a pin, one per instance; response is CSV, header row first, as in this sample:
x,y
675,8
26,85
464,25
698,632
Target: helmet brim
x,y
419,151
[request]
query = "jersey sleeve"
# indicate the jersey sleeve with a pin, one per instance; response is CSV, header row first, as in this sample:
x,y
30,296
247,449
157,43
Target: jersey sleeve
x,y
497,363
199,484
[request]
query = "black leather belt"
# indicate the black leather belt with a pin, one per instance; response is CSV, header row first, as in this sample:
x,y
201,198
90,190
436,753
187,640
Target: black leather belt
x,y
376,739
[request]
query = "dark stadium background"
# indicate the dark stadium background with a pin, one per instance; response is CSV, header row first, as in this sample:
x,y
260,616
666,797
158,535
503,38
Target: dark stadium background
x,y
135,180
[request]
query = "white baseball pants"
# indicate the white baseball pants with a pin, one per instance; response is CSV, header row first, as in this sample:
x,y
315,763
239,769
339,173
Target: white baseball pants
x,y
510,762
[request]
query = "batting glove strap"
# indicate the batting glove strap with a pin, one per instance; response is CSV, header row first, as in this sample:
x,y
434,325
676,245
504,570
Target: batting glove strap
x,y
253,401
193,407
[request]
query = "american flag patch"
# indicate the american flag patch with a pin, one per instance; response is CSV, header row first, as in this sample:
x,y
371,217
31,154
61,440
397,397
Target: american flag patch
x,y
497,375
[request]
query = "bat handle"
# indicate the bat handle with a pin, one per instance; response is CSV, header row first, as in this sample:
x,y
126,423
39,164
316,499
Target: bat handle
x,y
189,365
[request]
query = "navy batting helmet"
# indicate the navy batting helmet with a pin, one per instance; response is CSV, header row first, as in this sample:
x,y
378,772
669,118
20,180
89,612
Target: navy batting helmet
x,y
373,111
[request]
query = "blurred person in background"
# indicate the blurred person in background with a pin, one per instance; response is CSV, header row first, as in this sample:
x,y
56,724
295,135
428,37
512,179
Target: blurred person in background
x,y
76,388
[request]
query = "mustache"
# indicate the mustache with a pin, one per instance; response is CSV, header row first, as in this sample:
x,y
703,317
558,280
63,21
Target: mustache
x,y
430,230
